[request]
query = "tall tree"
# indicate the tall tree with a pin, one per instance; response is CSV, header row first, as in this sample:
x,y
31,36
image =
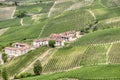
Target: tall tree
x,y
4,74
52,43
21,13
37,68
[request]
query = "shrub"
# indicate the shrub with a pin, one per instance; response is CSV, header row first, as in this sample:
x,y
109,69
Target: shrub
x,y
21,14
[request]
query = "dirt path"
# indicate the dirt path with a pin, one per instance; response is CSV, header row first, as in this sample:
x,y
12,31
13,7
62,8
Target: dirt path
x,y
92,13
21,21
13,12
42,30
39,58
107,53
51,9
48,57
2,31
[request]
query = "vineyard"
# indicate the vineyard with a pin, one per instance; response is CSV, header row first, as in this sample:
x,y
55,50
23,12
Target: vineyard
x,y
95,55
114,54
65,58
103,72
72,20
36,8
99,37
111,3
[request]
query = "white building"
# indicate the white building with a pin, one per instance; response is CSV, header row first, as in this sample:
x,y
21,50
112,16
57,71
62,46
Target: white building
x,y
17,49
40,42
59,42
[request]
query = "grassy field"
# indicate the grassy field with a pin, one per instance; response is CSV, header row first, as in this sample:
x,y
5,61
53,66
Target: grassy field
x,y
19,63
10,23
102,72
65,58
21,33
95,55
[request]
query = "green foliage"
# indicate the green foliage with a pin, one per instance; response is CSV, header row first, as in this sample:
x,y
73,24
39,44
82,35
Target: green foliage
x,y
21,14
4,57
4,74
37,68
52,43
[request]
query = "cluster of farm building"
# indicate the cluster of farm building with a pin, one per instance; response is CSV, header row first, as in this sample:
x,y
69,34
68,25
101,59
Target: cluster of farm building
x,y
18,49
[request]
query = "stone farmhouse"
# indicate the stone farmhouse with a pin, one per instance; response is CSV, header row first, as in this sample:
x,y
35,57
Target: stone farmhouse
x,y
17,49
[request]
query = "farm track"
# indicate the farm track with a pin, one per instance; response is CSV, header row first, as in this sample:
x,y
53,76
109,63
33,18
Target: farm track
x,y
91,12
42,30
107,53
12,16
51,9
21,22
2,31
38,58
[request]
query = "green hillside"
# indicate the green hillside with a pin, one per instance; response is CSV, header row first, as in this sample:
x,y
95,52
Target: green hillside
x,y
94,56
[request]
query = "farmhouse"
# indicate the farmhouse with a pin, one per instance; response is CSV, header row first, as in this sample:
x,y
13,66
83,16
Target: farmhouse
x,y
17,49
40,42
45,41
59,39
66,36
59,42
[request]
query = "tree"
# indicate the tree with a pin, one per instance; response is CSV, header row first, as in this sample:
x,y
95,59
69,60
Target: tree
x,y
95,28
52,43
21,13
4,57
37,68
4,74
